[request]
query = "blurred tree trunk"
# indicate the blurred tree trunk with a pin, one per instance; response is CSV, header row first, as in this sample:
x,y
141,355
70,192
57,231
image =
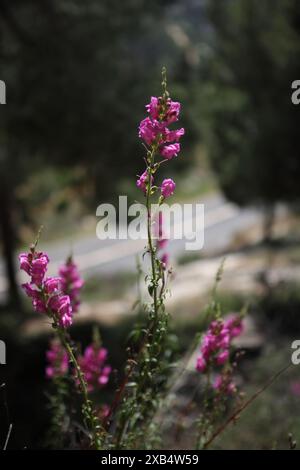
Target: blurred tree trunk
x,y
8,239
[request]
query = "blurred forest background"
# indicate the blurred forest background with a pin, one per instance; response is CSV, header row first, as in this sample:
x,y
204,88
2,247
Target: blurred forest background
x,y
78,75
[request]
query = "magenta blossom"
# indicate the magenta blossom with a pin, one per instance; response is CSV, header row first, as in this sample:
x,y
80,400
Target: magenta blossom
x,y
93,365
58,362
234,324
153,107
151,131
167,188
173,110
71,283
46,294
35,264
142,181
170,151
61,306
216,342
174,136
168,113
52,285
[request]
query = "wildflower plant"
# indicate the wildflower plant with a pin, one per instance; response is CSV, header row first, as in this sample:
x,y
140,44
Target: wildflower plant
x,y
216,363
148,369
48,298
129,421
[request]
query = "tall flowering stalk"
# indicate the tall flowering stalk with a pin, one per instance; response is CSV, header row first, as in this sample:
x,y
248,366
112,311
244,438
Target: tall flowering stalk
x,y
216,362
147,371
162,144
48,297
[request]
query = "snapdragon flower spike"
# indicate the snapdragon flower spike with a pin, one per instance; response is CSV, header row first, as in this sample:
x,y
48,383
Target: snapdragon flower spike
x,y
154,130
46,294
71,283
215,345
93,366
57,359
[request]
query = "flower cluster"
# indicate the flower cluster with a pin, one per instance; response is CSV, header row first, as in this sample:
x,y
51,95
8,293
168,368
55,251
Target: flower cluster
x,y
93,366
71,283
46,294
154,131
58,361
214,350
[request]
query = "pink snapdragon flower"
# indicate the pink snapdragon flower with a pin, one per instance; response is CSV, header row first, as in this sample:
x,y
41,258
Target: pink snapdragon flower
x,y
71,283
170,151
153,107
93,365
46,294
58,361
151,131
174,136
234,324
173,110
167,188
142,181
216,342
53,285
61,306
168,113
35,264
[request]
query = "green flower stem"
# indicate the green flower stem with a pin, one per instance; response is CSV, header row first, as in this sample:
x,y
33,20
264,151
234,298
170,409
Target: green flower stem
x,y
149,234
91,420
